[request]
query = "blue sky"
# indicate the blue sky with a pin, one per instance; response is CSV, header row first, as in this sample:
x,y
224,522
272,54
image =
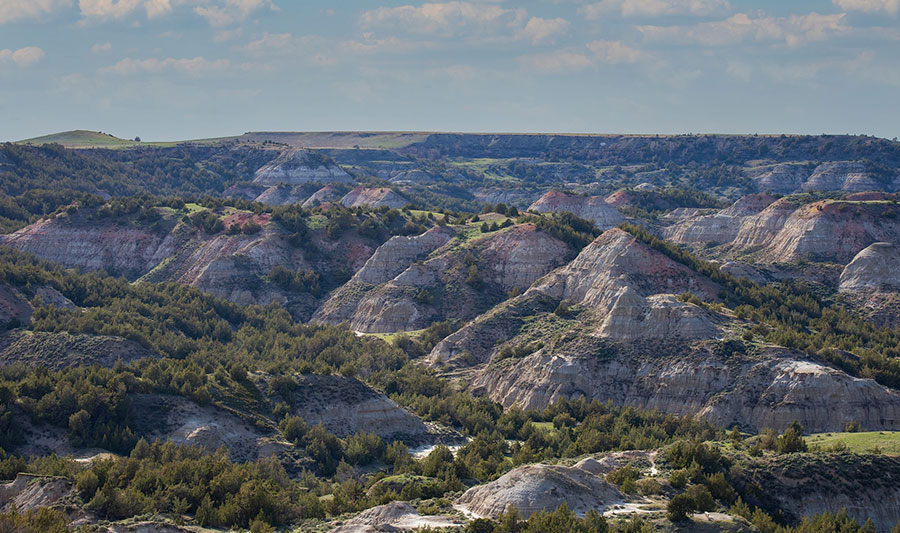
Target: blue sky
x,y
179,69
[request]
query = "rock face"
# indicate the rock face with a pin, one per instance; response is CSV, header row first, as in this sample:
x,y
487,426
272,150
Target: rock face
x,y
346,406
62,350
593,208
124,249
625,288
394,516
872,282
767,390
615,259
398,253
783,178
541,487
299,166
373,197
833,231
229,265
787,178
718,228
284,194
326,194
840,176
876,268
30,491
439,288
809,484
788,231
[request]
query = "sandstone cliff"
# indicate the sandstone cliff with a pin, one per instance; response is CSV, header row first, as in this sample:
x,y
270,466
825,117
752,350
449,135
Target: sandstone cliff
x,y
592,208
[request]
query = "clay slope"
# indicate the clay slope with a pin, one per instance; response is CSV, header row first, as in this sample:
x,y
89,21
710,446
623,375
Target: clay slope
x,y
872,282
328,193
717,228
629,340
541,487
593,208
299,166
122,247
849,176
231,265
374,197
440,288
789,231
753,390
626,291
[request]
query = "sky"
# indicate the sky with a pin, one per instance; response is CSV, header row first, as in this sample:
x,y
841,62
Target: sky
x,y
184,69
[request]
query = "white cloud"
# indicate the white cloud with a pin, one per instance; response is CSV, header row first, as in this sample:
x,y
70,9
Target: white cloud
x,y
449,19
107,9
196,66
218,13
574,60
11,10
615,52
157,8
23,56
538,30
230,12
655,8
104,48
891,7
739,28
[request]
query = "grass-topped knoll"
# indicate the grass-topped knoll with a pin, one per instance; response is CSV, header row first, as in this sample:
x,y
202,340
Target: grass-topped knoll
x,y
81,139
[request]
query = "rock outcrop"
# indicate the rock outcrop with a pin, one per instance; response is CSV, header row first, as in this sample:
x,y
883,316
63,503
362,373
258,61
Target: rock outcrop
x,y
770,389
541,487
374,197
841,176
788,230
625,288
787,178
75,241
783,178
298,166
29,491
327,194
875,268
439,288
593,208
284,194
394,516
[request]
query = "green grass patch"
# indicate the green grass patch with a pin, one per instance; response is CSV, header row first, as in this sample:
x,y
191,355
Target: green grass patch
x,y
886,441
